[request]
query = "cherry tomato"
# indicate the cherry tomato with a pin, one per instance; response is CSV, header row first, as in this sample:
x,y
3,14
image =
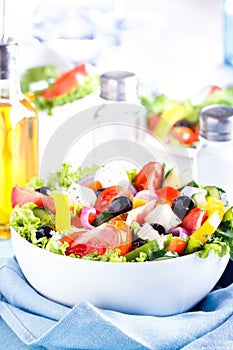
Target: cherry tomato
x,y
177,245
108,194
184,135
167,194
106,236
150,177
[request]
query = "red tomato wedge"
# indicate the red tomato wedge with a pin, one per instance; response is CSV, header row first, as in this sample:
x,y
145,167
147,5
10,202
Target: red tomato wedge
x,y
150,177
67,81
106,196
103,237
167,194
184,135
194,219
21,195
177,245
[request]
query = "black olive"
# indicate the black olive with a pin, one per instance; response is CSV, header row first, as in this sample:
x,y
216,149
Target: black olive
x,y
99,191
161,230
44,231
44,190
182,205
183,122
120,205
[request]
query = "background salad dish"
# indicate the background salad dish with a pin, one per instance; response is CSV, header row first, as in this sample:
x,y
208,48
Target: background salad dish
x,y
177,121
140,217
49,88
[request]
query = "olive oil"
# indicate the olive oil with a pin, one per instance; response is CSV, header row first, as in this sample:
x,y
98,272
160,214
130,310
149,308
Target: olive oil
x,y
18,134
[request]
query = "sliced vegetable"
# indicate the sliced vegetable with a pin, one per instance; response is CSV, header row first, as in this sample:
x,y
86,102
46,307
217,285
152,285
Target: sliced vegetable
x,y
108,194
194,219
177,245
62,216
209,226
138,202
167,194
99,240
184,135
68,81
168,119
150,177
22,195
87,216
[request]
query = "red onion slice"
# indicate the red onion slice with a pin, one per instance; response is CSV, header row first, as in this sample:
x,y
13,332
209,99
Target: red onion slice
x,y
87,179
147,195
84,217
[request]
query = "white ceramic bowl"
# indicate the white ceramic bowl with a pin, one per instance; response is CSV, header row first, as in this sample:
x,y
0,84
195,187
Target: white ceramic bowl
x,y
159,288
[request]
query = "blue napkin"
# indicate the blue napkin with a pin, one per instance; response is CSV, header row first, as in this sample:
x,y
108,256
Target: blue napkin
x,y
30,321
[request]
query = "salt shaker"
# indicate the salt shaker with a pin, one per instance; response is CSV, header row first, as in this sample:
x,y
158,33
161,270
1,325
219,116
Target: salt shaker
x,y
214,161
213,164
120,87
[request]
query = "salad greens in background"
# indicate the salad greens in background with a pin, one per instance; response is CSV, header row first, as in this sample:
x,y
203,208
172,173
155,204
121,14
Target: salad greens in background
x,y
184,126
27,219
48,88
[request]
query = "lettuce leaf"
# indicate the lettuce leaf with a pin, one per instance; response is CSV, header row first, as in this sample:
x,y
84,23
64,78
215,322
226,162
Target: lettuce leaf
x,y
90,84
225,229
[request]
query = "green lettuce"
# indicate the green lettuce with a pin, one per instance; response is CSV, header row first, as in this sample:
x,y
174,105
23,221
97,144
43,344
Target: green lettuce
x,y
62,178
90,85
225,229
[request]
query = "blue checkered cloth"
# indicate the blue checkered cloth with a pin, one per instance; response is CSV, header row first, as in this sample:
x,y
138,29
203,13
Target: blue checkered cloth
x,y
30,321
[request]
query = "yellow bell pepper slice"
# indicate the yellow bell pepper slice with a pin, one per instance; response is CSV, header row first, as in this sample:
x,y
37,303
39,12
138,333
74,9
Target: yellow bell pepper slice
x,y
209,226
212,204
62,216
168,119
138,202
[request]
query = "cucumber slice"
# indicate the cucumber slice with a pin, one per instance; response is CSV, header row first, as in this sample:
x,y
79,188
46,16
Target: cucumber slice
x,y
199,199
213,191
40,212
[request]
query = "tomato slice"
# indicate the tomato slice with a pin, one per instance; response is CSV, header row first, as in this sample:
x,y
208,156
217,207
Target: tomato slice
x,y
150,177
184,135
167,194
67,81
106,236
21,195
177,245
125,234
108,194
194,219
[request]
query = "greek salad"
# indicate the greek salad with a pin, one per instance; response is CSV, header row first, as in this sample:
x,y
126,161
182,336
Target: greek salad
x,y
106,213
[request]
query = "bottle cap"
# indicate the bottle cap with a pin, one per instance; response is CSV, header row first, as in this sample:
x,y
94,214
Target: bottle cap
x,y
119,86
216,123
8,49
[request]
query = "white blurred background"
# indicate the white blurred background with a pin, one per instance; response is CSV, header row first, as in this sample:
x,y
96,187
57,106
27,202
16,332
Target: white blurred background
x,y
174,46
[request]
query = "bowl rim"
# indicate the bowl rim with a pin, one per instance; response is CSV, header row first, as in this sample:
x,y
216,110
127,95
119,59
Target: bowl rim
x,y
179,259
